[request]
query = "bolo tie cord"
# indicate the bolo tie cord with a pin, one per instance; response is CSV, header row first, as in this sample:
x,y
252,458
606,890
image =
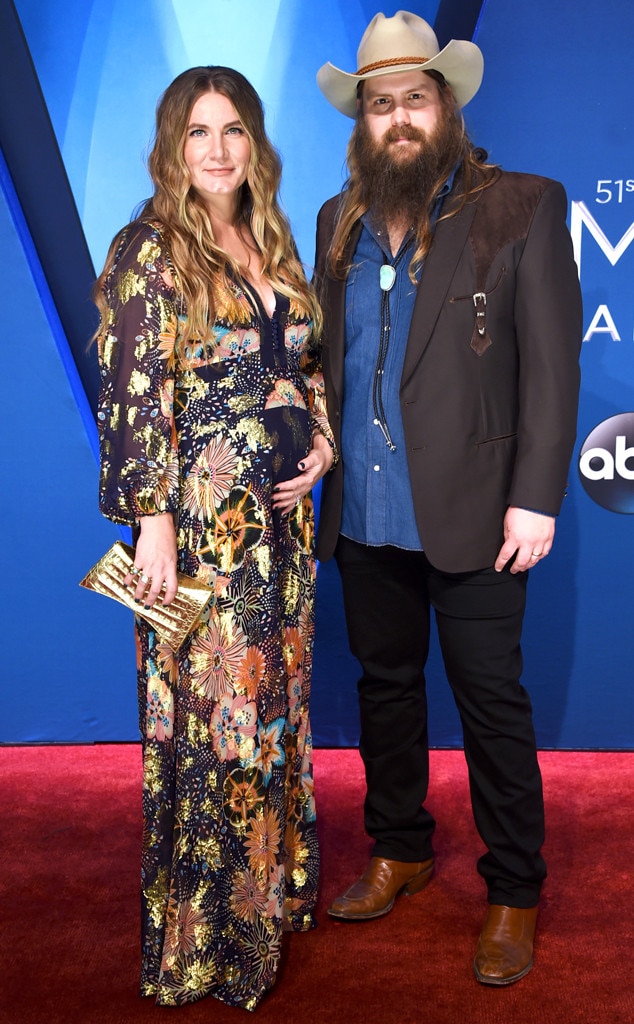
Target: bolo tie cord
x,y
387,277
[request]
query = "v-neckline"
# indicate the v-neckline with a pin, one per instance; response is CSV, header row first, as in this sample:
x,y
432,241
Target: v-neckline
x,y
257,300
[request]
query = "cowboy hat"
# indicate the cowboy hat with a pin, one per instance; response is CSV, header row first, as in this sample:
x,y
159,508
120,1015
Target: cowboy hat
x,y
403,43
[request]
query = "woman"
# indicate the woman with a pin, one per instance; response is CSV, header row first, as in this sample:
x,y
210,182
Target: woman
x,y
213,432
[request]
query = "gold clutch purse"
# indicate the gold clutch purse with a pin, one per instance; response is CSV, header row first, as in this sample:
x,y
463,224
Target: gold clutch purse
x,y
172,622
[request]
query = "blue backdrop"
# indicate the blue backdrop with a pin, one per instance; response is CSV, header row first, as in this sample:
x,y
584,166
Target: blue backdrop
x,y
556,100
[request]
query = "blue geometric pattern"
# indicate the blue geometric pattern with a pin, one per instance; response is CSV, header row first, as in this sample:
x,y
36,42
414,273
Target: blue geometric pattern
x,y
547,105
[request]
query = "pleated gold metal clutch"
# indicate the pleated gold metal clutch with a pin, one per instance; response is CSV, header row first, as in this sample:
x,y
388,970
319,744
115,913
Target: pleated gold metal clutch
x,y
172,622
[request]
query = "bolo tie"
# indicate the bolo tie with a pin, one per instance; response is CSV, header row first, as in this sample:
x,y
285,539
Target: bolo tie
x,y
387,277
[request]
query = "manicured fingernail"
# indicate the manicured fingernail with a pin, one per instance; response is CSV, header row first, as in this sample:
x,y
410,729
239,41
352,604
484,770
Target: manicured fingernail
x,y
137,601
302,465
147,607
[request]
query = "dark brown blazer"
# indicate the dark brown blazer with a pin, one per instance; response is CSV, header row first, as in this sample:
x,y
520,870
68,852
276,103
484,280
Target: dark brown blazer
x,y
489,417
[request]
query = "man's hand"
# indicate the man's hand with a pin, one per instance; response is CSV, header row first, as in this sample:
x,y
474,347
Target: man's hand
x,y
527,533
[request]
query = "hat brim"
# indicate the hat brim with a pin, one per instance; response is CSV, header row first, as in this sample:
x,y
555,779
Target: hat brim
x,y
460,62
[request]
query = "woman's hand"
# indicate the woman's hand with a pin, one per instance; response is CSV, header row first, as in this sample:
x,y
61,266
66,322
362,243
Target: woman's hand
x,y
313,467
154,573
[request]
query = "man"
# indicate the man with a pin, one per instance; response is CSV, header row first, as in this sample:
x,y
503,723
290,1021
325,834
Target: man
x,y
451,345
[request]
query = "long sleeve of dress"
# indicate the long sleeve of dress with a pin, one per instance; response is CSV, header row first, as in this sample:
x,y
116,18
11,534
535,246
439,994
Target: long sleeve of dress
x,y
310,365
139,456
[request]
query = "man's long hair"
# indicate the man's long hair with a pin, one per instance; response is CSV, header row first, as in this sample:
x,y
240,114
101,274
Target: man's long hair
x,y
201,267
473,175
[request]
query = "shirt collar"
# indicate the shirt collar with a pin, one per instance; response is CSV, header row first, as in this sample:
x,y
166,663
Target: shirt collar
x,y
447,187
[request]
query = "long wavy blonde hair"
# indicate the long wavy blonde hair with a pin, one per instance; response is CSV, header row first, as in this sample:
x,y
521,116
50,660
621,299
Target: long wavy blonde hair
x,y
201,268
475,175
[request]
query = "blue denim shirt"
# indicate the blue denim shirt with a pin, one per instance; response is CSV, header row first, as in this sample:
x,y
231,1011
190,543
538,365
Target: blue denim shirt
x,y
378,507
377,499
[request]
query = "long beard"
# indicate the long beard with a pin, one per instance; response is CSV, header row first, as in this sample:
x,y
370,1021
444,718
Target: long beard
x,y
401,187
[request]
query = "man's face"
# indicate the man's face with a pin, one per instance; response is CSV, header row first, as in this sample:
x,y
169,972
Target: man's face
x,y
391,102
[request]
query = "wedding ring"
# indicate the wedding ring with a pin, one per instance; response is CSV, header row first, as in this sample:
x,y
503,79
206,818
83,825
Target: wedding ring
x,y
535,554
298,503
145,579
134,571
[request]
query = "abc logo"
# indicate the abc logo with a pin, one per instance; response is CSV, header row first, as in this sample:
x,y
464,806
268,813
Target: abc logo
x,y
606,463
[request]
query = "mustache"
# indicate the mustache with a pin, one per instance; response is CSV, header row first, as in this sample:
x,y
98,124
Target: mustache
x,y
404,131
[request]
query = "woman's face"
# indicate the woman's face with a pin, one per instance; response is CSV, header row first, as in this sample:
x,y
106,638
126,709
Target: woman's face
x,y
217,148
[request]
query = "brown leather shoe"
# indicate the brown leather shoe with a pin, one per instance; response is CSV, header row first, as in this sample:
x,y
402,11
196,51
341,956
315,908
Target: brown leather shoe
x,y
374,893
505,948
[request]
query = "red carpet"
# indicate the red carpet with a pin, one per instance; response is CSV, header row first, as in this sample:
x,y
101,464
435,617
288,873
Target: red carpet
x,y
69,903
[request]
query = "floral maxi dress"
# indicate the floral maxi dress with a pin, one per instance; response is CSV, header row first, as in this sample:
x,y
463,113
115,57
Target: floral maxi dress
x,y
230,853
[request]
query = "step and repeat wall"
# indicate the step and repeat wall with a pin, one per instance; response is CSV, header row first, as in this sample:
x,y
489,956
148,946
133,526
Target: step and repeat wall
x,y
556,100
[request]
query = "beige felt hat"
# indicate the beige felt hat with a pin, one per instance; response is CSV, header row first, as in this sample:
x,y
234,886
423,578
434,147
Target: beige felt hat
x,y
403,43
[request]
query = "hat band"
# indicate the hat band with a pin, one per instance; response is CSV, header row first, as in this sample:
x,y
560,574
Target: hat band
x,y
391,62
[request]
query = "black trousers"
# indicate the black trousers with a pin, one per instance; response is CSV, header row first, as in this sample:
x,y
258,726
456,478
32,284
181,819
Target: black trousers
x,y
388,593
